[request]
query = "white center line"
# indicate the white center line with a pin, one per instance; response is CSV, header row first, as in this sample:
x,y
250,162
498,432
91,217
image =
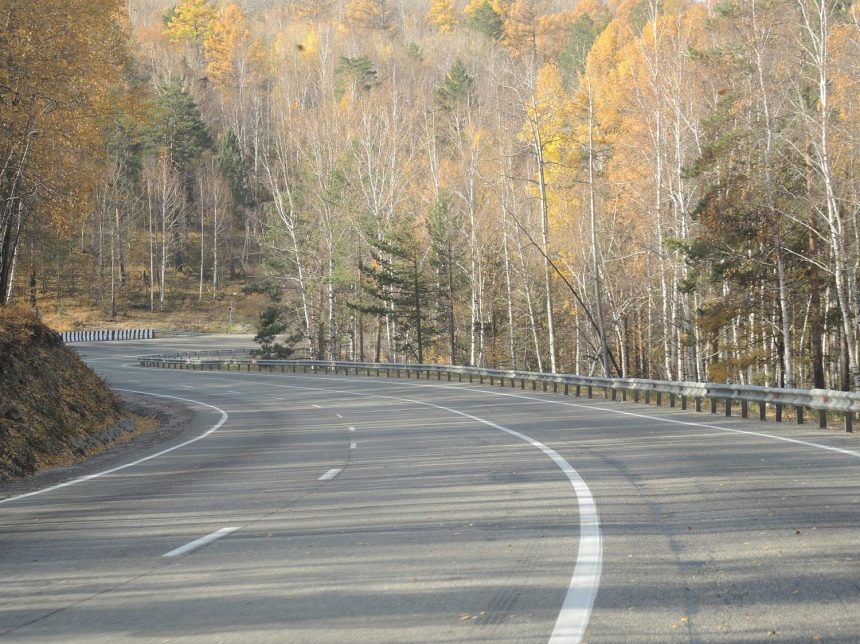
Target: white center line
x,y
353,445
352,429
317,406
199,543
330,474
338,415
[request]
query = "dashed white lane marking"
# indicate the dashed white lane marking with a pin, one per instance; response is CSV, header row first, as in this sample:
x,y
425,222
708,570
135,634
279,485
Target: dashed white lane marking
x,y
199,543
578,603
230,391
353,445
338,415
317,406
89,477
185,386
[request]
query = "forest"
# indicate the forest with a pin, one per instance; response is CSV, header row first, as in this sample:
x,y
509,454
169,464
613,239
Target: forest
x,y
660,189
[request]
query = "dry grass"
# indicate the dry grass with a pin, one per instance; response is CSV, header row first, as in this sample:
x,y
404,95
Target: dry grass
x,y
186,313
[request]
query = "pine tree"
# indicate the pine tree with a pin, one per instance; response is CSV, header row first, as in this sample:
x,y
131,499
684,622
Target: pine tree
x,y
580,38
396,281
447,246
456,89
178,128
358,72
235,170
486,20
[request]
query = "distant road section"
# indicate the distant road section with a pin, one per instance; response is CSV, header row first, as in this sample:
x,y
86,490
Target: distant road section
x,y
322,508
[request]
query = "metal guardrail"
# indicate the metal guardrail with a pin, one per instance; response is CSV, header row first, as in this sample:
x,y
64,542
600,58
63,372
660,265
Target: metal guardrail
x,y
107,335
820,400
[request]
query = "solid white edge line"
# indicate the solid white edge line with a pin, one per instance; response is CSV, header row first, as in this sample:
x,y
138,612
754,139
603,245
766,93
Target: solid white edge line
x,y
199,543
330,474
575,612
672,421
96,475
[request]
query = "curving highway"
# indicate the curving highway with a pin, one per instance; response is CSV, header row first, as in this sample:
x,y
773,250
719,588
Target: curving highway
x,y
321,508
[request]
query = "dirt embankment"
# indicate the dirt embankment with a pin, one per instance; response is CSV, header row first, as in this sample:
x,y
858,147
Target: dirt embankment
x,y
54,410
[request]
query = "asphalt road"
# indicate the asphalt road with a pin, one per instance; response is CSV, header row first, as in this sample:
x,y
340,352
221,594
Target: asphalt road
x,y
313,508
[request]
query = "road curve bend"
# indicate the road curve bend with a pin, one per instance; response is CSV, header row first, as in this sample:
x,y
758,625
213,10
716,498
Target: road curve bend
x,y
322,508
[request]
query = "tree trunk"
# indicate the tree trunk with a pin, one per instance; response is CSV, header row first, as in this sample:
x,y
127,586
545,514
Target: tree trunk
x,y
595,249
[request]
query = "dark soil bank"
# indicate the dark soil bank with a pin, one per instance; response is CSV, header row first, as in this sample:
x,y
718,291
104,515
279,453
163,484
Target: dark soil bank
x,y
54,410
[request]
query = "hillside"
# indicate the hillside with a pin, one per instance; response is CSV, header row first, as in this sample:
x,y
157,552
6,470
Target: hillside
x,y
54,410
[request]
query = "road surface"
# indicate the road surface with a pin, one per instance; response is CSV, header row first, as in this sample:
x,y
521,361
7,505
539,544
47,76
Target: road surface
x,y
321,508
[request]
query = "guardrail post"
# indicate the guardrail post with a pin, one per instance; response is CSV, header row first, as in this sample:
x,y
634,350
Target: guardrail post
x,y
713,405
728,407
636,395
659,398
849,421
822,419
481,378
590,392
744,409
439,375
566,387
799,412
449,376
762,411
683,402
614,394
647,396
779,412
470,377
